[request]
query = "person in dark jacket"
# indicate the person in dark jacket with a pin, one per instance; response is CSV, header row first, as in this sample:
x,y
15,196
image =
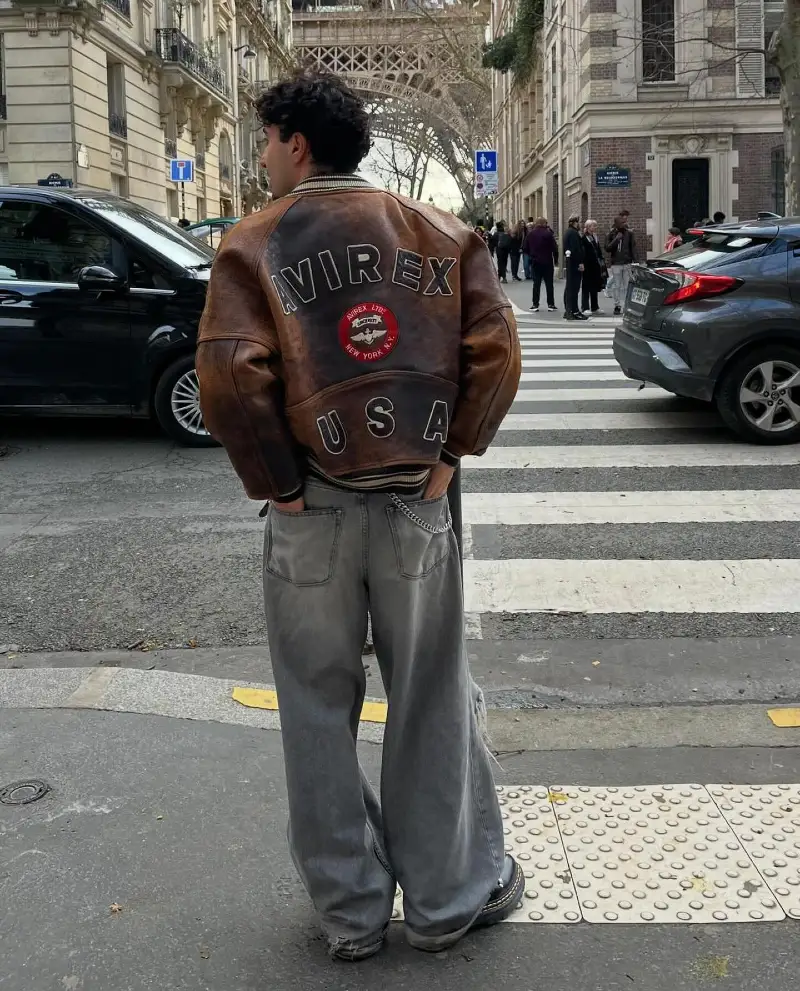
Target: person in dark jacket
x,y
542,249
594,268
621,249
573,268
517,237
504,242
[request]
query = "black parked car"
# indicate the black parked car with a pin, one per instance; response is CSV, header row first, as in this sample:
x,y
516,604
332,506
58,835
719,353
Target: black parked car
x,y
99,305
719,319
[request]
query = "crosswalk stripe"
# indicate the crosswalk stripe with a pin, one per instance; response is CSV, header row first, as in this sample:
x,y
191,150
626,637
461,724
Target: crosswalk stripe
x,y
643,420
632,586
559,508
575,376
634,456
598,349
569,363
564,335
631,391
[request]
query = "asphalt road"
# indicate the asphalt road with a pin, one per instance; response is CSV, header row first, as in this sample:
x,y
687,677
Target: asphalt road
x,y
112,538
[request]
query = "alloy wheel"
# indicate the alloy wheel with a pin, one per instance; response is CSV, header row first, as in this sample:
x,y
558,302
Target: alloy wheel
x,y
769,396
185,403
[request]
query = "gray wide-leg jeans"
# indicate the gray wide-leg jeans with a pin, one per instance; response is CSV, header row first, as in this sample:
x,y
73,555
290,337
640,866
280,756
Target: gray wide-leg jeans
x,y
437,829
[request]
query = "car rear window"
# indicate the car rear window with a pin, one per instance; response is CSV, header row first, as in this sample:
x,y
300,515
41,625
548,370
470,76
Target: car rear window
x,y
714,248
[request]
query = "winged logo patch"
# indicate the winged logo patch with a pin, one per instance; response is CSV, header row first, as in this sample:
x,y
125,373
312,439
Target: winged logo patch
x,y
368,332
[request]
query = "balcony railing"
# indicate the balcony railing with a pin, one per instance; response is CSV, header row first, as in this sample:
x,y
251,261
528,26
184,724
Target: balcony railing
x,y
118,125
170,148
173,46
3,107
772,86
123,6
200,161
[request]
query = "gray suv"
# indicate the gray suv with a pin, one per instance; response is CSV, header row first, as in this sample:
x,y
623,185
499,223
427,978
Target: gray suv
x,y
718,319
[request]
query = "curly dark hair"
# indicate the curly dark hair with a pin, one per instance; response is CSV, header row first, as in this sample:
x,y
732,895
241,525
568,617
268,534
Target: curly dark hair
x,y
328,114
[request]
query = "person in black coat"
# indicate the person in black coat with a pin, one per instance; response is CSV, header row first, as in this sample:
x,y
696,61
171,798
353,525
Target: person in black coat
x,y
504,244
573,268
594,268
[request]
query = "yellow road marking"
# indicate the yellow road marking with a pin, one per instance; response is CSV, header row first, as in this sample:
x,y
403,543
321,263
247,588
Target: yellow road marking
x,y
784,717
263,698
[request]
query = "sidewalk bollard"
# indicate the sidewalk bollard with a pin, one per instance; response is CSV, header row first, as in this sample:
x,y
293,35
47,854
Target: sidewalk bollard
x,y
454,501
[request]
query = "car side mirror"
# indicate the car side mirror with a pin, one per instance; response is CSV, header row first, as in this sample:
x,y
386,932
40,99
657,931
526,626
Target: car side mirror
x,y
96,278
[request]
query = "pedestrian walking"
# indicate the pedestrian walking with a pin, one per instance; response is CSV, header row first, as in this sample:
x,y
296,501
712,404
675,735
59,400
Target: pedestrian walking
x,y
594,269
515,250
503,250
355,344
491,241
573,268
621,249
542,249
527,264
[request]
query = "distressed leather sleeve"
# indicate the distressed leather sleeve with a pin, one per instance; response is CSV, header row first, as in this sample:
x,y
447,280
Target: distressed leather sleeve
x,y
490,355
239,369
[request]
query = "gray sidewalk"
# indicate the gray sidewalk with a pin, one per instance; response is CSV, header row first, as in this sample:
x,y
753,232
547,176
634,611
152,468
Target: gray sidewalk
x,y
181,825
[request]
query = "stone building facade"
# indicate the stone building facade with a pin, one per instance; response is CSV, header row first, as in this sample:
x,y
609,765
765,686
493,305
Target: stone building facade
x,y
663,107
106,92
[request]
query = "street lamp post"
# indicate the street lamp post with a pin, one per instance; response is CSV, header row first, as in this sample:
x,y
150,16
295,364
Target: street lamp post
x,y
235,179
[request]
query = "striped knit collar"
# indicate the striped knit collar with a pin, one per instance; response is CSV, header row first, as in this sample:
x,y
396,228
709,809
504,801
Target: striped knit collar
x,y
329,183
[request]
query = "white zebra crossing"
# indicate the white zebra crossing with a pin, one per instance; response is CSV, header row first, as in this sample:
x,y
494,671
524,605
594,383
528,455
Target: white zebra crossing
x,y
568,366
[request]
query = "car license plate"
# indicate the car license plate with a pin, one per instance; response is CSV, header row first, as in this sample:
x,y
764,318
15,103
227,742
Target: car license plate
x,y
640,296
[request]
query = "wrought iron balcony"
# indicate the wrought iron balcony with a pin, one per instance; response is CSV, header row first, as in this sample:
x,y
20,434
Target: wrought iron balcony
x,y
772,86
173,46
118,125
3,107
123,6
170,148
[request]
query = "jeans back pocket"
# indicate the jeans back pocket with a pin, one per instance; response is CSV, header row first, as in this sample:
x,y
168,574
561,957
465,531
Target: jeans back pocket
x,y
421,544
301,547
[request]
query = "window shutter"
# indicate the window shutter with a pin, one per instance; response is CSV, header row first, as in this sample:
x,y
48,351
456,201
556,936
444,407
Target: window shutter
x,y
750,34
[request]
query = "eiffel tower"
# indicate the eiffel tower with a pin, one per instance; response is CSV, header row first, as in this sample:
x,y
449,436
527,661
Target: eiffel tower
x,y
418,64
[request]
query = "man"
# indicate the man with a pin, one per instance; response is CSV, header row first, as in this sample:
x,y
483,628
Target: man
x,y
355,345
504,243
621,249
573,269
719,217
542,249
184,223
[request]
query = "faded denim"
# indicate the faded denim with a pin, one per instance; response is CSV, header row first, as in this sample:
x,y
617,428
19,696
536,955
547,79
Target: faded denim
x,y
437,829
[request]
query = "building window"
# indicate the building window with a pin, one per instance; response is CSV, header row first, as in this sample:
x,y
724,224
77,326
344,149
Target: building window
x,y
117,121
119,185
778,179
225,158
658,41
2,78
553,90
172,203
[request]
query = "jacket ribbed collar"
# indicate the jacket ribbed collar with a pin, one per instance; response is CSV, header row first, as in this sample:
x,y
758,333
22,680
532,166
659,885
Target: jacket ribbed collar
x,y
329,183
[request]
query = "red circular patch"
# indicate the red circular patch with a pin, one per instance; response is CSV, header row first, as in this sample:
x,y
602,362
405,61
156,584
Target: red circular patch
x,y
368,331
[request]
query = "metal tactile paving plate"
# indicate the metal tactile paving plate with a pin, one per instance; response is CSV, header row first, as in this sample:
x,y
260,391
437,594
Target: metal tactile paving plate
x,y
766,820
658,854
531,835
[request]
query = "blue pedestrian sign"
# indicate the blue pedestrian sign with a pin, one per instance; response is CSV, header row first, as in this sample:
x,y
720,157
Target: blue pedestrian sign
x,y
486,161
181,170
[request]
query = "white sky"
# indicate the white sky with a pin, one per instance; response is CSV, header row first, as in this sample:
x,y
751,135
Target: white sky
x,y
438,183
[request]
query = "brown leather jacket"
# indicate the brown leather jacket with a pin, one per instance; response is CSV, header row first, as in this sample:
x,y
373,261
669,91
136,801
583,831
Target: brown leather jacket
x,y
354,329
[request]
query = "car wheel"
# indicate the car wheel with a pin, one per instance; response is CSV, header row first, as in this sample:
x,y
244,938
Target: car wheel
x,y
177,405
759,395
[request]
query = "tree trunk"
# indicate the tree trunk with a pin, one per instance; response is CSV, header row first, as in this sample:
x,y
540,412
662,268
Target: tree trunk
x,y
787,60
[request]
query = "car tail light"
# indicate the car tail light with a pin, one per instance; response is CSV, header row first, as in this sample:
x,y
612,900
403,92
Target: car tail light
x,y
696,285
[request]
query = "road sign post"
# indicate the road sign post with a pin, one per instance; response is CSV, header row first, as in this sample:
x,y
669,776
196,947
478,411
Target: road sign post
x,y
181,170
486,172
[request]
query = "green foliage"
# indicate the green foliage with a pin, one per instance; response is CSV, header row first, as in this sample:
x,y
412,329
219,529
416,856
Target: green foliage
x,y
518,51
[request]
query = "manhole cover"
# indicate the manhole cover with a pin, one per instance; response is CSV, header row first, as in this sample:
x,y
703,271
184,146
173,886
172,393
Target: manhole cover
x,y
23,792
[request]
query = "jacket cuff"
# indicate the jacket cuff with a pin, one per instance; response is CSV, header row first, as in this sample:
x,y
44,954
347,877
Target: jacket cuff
x,y
449,459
